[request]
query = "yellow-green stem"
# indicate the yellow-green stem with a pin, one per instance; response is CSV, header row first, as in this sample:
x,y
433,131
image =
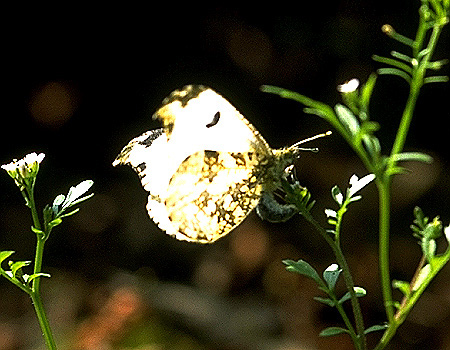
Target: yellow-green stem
x,y
35,293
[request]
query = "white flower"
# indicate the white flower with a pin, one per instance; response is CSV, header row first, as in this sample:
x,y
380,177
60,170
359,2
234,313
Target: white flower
x,y
349,86
357,184
25,168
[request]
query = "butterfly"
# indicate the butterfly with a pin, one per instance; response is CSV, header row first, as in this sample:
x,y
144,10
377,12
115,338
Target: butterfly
x,y
207,168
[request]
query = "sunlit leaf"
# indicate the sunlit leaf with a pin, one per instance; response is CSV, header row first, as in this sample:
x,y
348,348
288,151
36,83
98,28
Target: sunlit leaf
x,y
30,278
16,266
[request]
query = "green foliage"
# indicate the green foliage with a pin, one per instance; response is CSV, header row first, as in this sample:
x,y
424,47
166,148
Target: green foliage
x,y
352,120
24,173
54,214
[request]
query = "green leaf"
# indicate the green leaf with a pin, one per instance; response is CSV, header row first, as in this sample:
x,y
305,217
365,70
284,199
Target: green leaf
x,y
54,222
436,79
376,328
354,198
331,331
412,156
5,254
395,71
366,91
326,301
401,56
77,191
360,292
303,268
402,66
316,107
82,199
347,119
331,275
70,213
30,278
17,266
372,145
396,170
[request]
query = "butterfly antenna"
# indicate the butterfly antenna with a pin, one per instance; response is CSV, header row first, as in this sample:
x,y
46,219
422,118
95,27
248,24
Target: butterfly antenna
x,y
315,149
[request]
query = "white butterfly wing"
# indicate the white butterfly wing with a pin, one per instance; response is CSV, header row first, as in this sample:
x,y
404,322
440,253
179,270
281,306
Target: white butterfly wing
x,y
187,198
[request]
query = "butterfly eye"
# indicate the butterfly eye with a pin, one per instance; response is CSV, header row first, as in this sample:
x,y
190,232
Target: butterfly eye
x,y
214,121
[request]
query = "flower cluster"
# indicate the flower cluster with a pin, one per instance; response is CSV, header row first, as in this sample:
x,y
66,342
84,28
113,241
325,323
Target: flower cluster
x,y
24,171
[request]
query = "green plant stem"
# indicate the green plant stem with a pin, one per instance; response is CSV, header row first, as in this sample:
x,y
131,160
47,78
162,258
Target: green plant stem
x,y
35,293
384,182
384,228
359,339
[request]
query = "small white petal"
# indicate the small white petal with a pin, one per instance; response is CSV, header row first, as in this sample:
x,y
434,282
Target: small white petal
x,y
33,157
357,185
9,167
349,86
447,233
339,198
330,213
332,267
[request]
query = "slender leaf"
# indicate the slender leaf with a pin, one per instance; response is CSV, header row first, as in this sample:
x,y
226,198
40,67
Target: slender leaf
x,y
326,301
30,278
69,213
331,331
436,79
394,63
412,156
366,91
401,56
376,328
395,71
360,292
82,199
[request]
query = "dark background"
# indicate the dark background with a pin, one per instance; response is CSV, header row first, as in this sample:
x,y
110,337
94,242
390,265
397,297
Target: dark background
x,y
79,81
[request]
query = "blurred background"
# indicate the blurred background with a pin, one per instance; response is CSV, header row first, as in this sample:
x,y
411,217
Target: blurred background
x,y
81,80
